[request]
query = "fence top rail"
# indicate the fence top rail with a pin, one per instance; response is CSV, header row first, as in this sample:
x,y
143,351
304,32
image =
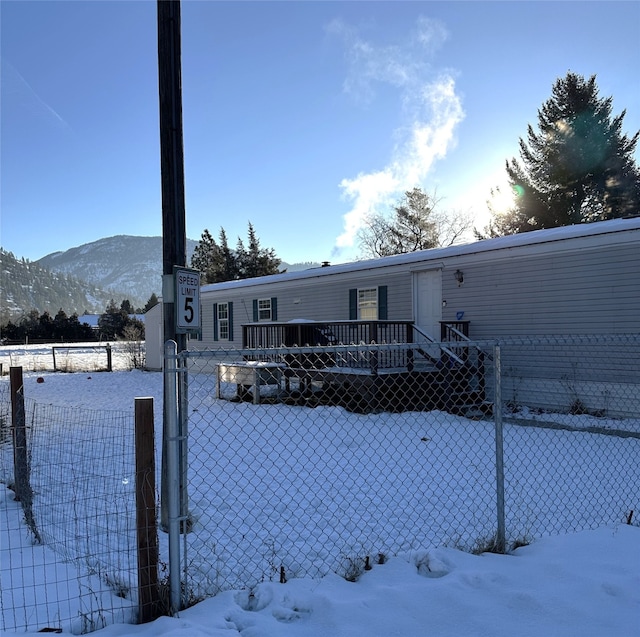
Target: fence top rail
x,y
97,346
592,429
560,339
317,349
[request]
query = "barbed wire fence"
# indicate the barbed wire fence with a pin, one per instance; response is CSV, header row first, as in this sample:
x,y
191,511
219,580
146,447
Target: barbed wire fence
x,y
304,461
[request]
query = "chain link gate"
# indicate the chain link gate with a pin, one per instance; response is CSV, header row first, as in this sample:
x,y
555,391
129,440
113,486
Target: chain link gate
x,y
306,461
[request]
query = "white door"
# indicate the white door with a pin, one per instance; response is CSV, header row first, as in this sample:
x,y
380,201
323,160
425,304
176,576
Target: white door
x,y
427,287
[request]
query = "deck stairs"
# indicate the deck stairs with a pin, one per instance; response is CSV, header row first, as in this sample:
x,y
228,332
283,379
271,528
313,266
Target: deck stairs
x,y
450,373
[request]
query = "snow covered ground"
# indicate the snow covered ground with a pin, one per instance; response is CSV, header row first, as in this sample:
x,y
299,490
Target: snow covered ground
x,y
585,583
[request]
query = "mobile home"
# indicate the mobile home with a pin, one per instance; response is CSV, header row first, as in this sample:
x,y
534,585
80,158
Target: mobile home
x,y
563,282
582,279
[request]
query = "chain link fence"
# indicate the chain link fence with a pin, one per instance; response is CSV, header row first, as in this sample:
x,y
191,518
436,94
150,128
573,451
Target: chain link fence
x,y
305,461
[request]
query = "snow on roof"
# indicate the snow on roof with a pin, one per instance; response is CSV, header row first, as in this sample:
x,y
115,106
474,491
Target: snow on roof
x,y
486,245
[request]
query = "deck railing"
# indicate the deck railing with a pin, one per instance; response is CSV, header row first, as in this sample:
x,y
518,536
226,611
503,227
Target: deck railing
x,y
335,333
320,333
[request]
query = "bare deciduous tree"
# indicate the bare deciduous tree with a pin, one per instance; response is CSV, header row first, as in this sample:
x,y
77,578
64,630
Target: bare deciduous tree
x,y
414,223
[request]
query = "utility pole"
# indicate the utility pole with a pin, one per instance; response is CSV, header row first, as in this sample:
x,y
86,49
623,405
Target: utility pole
x,y
174,239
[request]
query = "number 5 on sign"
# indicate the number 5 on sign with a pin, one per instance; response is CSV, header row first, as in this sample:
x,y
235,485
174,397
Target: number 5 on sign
x,y
187,287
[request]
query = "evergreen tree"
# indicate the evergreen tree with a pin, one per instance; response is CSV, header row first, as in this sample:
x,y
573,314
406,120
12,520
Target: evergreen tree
x,y
217,262
126,307
111,324
12,332
153,300
256,261
578,168
413,229
228,270
205,256
46,328
61,326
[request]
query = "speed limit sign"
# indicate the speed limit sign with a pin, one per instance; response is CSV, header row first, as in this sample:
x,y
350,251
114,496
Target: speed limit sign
x,y
187,299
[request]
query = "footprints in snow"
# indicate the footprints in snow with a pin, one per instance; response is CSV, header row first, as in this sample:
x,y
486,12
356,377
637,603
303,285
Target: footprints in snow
x,y
431,564
259,598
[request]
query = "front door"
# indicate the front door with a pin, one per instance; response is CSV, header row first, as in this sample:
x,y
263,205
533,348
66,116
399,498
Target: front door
x,y
427,287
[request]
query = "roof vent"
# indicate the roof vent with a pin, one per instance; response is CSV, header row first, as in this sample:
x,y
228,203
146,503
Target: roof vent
x,y
325,264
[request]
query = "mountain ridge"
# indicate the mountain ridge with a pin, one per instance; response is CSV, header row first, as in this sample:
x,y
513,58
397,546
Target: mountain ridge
x,y
119,267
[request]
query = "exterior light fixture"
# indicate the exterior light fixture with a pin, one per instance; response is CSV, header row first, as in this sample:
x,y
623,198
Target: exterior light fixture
x,y
459,277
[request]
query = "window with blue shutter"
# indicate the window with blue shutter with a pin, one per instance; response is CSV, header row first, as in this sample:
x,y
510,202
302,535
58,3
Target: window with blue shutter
x,y
368,304
353,304
223,321
265,309
382,303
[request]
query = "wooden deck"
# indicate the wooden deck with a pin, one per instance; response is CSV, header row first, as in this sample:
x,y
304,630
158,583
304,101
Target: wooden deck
x,y
402,374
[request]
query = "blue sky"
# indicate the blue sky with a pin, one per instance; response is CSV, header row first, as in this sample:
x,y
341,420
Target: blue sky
x,y
298,116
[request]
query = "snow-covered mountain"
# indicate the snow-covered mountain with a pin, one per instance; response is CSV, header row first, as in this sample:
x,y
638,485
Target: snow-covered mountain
x,y
125,264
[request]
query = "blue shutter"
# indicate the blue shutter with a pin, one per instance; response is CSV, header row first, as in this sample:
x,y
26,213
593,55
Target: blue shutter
x,y
353,304
215,321
274,308
255,310
382,303
231,320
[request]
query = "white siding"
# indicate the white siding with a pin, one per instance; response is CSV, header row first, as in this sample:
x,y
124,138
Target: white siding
x,y
588,291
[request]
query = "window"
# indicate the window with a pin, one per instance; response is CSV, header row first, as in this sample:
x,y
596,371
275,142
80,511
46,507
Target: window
x,y
368,304
223,321
265,309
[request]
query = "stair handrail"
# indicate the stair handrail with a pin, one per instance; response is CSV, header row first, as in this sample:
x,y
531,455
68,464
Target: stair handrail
x,y
458,333
444,349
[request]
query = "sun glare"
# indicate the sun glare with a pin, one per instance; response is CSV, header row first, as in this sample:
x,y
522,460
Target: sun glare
x,y
503,197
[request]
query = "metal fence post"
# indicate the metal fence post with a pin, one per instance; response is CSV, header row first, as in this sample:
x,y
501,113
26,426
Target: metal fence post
x,y
183,426
497,416
173,473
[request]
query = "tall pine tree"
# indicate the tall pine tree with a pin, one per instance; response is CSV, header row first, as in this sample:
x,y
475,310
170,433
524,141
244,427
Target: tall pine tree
x,y
579,167
205,257
255,260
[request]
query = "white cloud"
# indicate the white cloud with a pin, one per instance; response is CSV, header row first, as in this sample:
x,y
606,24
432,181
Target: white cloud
x,y
430,106
367,190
